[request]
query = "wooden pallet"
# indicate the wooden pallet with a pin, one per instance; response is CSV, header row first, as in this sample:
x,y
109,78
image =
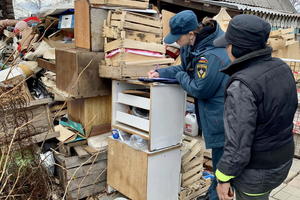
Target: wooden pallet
x,y
282,38
141,4
82,176
192,183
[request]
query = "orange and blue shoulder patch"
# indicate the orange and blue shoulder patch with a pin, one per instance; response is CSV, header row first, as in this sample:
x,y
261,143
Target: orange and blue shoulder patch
x,y
202,66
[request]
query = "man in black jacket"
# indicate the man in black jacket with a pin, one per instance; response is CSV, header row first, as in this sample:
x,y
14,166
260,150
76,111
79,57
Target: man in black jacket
x,y
260,103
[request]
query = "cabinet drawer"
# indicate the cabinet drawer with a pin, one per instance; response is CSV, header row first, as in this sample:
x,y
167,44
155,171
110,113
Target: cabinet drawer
x,y
134,121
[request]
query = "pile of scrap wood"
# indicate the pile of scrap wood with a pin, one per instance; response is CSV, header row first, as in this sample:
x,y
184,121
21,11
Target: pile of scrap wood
x,y
133,45
192,182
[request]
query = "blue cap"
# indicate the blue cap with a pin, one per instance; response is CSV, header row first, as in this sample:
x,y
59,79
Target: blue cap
x,y
181,24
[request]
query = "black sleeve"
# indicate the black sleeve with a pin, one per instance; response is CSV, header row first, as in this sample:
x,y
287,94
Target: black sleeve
x,y
240,117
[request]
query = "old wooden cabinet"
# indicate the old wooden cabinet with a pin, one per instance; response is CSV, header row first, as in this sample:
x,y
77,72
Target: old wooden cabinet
x,y
143,175
77,73
165,104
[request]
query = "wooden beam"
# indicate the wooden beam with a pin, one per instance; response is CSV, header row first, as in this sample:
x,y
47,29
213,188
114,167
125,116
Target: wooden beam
x,y
48,65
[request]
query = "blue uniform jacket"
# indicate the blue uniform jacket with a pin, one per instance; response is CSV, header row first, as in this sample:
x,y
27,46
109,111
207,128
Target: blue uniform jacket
x,y
199,75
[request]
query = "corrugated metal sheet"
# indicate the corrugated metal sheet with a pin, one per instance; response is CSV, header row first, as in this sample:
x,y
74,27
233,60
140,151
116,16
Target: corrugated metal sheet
x,y
276,5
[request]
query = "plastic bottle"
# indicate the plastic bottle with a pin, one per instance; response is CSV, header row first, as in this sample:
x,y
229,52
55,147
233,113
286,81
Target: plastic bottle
x,y
191,125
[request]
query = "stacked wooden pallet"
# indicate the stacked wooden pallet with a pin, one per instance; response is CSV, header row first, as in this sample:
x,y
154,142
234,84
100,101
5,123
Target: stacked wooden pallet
x,y
192,182
282,38
133,45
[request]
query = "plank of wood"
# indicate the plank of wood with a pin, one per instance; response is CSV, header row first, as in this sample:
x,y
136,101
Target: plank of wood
x,y
64,133
289,36
44,136
110,72
123,3
88,191
192,180
137,18
48,65
189,148
161,61
196,170
192,164
75,161
81,152
137,71
100,129
82,30
199,192
86,181
195,150
91,150
166,16
115,33
136,27
40,102
132,44
91,169
124,161
98,15
131,130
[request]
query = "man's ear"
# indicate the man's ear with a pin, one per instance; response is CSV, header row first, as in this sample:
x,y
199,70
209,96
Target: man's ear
x,y
191,33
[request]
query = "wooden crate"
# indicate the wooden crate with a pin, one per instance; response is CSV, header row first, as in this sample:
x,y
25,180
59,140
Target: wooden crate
x,y
77,73
141,175
140,4
133,44
111,32
92,113
132,69
82,177
124,20
166,106
297,144
88,26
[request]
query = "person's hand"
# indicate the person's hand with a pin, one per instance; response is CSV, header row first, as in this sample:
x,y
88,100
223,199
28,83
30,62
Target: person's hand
x,y
153,74
224,191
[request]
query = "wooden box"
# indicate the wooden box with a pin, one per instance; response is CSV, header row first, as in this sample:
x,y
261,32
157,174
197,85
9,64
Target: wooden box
x,y
88,26
140,4
93,113
130,25
82,177
143,175
77,73
165,105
